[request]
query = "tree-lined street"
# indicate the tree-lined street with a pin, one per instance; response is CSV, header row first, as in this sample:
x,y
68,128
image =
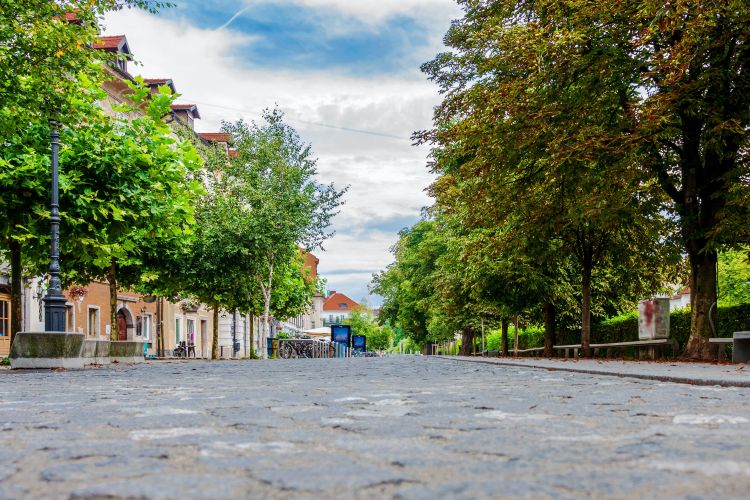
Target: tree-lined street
x,y
410,427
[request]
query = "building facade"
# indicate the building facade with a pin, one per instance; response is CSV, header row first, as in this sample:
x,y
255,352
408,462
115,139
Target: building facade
x,y
336,308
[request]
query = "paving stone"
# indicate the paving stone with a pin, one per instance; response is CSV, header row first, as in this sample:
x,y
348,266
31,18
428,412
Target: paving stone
x,y
401,427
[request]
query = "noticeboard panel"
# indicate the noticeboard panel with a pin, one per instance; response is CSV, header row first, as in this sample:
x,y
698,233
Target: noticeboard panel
x,y
341,334
359,343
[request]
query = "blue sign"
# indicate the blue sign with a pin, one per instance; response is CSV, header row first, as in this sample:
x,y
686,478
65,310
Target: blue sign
x,y
341,334
359,343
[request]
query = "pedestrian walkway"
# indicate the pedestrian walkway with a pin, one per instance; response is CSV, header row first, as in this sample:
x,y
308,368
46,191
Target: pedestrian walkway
x,y
724,375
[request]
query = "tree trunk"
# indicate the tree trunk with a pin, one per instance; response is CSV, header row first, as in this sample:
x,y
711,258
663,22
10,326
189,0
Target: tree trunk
x,y
702,299
550,314
215,333
265,326
515,339
504,337
16,287
586,309
160,327
252,339
467,341
112,280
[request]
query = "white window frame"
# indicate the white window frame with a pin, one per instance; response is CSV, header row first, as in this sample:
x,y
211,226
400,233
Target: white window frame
x,y
97,329
178,330
146,320
71,328
187,331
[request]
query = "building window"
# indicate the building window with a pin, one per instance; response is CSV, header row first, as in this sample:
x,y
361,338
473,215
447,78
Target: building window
x,y
191,331
92,323
4,318
146,327
70,318
343,306
177,330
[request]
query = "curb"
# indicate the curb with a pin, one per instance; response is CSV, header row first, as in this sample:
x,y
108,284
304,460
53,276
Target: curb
x,y
660,378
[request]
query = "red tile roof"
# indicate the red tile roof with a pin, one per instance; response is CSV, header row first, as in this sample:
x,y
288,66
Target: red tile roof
x,y
337,301
70,17
214,136
109,42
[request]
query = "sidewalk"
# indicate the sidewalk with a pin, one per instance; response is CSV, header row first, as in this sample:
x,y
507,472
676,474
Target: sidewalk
x,y
737,375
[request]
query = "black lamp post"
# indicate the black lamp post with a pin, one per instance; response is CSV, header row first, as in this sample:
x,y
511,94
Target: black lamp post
x,y
54,301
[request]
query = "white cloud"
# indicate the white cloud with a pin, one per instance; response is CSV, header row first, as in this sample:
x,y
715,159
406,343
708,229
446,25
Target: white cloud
x,y
387,176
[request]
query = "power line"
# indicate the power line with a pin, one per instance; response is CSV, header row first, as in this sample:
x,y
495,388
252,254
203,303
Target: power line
x,y
318,124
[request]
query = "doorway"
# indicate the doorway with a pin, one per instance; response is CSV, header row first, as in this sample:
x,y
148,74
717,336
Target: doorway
x,y
125,325
4,324
204,338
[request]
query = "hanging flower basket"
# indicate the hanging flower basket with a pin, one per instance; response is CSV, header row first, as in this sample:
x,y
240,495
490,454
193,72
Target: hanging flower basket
x,y
190,306
77,293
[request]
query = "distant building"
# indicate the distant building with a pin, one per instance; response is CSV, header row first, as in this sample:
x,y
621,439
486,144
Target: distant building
x,y
337,307
312,318
680,300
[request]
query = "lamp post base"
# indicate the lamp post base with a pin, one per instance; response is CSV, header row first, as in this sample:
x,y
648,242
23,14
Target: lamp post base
x,y
55,313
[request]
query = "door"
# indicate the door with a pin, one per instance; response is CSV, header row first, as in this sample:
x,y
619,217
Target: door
x,y
4,324
204,337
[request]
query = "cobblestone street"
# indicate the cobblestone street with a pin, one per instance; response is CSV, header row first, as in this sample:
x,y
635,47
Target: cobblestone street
x,y
409,427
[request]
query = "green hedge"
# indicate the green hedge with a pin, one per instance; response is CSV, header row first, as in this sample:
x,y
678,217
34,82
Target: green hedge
x,y
624,328
531,336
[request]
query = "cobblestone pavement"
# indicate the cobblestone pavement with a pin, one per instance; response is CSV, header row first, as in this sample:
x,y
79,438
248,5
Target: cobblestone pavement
x,y
407,427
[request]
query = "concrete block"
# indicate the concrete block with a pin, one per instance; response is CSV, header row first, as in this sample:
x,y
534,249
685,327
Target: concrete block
x,y
126,351
47,350
741,347
96,352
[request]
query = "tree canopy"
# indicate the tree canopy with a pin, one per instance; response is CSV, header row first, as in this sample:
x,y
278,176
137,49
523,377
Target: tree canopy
x,y
596,138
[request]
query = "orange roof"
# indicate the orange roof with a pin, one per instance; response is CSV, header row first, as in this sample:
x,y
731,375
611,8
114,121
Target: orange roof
x,y
109,42
214,136
337,301
233,153
70,17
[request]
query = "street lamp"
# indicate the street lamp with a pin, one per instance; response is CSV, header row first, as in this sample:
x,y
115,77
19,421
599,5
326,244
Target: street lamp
x,y
54,301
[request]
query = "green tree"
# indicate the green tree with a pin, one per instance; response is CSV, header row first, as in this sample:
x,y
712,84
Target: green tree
x,y
132,187
379,337
407,285
272,177
565,108
47,71
734,277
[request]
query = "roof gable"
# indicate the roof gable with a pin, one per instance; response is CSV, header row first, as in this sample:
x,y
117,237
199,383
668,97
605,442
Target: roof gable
x,y
337,301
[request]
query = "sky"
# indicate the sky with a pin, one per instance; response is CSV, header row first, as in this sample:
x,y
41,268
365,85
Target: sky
x,y
345,73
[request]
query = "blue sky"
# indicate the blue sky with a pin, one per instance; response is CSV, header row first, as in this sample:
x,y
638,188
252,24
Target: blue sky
x,y
300,37
333,66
